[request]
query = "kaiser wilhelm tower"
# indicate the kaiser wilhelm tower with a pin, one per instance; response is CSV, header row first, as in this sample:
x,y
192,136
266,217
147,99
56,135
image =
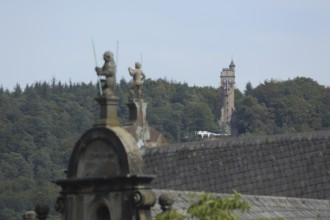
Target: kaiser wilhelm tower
x,y
227,86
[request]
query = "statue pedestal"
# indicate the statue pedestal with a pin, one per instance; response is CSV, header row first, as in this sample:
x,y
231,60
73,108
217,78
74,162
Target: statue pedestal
x,y
138,127
137,113
108,113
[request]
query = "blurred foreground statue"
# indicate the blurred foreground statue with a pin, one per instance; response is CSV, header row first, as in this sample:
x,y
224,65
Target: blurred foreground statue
x,y
137,81
109,71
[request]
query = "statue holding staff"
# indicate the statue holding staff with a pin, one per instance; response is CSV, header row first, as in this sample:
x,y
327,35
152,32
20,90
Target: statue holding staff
x,y
109,71
137,81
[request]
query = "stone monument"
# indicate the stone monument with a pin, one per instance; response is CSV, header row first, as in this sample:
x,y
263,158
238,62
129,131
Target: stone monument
x,y
137,124
105,178
107,98
137,81
109,71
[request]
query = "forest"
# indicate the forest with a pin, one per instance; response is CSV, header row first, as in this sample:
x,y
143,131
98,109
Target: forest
x,y
40,123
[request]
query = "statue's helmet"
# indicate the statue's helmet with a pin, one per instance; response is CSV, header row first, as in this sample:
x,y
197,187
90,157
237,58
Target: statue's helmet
x,y
137,65
108,56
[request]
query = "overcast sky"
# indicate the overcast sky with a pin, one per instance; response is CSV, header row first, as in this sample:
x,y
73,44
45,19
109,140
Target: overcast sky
x,y
185,41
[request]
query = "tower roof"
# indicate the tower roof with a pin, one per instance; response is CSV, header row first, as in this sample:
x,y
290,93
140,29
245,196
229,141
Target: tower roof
x,y
232,64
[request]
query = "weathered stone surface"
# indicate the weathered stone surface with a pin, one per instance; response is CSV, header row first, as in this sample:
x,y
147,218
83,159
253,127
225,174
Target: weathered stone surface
x,y
108,111
104,177
105,152
138,127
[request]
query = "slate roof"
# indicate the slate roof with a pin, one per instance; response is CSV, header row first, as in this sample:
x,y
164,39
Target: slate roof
x,y
292,165
266,207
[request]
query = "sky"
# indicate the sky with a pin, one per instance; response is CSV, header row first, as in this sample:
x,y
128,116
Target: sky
x,y
183,41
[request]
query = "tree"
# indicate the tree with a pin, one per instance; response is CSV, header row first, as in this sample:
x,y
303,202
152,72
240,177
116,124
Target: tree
x,y
252,117
199,117
248,89
170,215
209,207
9,214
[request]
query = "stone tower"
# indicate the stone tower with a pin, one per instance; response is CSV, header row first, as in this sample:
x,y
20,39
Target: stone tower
x,y
227,85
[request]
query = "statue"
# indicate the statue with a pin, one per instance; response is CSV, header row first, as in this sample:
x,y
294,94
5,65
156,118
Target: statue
x,y
137,81
109,71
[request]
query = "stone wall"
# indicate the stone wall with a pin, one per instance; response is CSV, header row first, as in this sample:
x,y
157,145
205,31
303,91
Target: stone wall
x,y
295,165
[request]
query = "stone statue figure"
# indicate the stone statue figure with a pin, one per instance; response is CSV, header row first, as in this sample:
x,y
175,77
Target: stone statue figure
x,y
109,71
137,81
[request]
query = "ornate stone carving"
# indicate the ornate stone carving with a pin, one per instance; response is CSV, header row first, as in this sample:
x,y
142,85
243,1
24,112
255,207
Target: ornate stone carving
x,y
166,201
60,204
105,175
143,198
42,211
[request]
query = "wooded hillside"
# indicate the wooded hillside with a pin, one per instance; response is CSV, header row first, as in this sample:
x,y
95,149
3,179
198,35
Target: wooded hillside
x,y
39,124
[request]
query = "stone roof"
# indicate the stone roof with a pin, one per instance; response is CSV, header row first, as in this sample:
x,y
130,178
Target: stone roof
x,y
265,207
292,165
